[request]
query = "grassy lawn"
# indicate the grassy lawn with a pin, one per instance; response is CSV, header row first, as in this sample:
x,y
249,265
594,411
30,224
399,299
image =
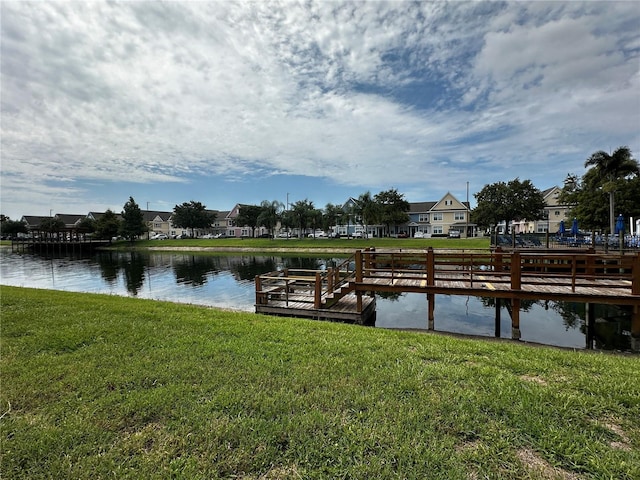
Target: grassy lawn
x,y
97,386
314,243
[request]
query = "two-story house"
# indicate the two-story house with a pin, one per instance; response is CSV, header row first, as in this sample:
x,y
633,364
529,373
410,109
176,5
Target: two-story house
x,y
443,217
426,218
554,213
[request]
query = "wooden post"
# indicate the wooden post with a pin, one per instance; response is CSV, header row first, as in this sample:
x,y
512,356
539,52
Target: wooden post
x,y
515,319
431,301
318,291
516,272
431,267
591,323
330,280
635,328
497,322
359,301
259,295
359,266
497,267
635,275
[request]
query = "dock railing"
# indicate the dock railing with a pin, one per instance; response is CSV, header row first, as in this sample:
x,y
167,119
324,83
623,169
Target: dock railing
x,y
428,270
514,268
303,285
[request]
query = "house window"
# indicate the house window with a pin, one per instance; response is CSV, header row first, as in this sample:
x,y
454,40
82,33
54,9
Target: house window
x,y
448,202
423,217
458,216
437,216
557,213
437,229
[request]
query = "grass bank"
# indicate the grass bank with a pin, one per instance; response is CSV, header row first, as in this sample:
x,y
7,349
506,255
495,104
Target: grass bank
x,y
98,386
307,244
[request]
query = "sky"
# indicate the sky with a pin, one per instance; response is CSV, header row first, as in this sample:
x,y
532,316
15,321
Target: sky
x,y
231,102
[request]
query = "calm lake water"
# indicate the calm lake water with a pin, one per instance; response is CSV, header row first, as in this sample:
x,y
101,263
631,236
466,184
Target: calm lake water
x,y
228,282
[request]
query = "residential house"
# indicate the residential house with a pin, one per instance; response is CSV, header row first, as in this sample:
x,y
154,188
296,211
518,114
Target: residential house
x,y
235,230
33,222
440,218
429,218
554,213
159,222
70,221
95,216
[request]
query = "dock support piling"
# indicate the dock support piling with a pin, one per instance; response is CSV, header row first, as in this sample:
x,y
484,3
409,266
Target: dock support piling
x,y
635,328
497,322
431,301
515,319
591,324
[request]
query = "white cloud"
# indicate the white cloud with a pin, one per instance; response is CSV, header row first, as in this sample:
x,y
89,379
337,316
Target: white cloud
x,y
156,92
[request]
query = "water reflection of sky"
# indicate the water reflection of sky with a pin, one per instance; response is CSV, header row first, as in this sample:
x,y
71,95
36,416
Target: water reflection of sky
x,y
228,282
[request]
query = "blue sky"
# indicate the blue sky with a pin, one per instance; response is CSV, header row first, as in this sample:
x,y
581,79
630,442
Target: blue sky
x,y
239,102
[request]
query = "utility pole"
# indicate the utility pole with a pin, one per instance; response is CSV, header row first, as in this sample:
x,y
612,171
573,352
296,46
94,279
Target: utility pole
x,y
466,215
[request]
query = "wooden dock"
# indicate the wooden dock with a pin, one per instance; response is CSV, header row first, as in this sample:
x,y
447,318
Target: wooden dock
x,y
57,247
584,277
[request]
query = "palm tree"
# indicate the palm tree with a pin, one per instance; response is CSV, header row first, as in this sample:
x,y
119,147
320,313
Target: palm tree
x,y
611,168
270,214
366,209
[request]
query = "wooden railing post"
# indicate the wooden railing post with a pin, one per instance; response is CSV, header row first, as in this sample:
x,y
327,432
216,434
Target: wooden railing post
x,y
431,267
330,280
359,266
516,271
258,290
635,275
318,291
497,266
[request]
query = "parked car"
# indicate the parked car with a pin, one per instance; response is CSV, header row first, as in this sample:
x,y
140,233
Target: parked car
x,y
418,235
158,236
208,235
317,235
454,234
402,235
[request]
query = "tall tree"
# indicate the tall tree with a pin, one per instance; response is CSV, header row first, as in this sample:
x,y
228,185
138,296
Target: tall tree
x,y
590,203
392,208
367,210
52,225
132,225
87,225
270,214
108,225
330,216
248,217
303,213
192,215
11,228
514,200
609,170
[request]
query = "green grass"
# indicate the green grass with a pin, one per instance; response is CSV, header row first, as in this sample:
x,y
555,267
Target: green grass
x,y
97,386
314,243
